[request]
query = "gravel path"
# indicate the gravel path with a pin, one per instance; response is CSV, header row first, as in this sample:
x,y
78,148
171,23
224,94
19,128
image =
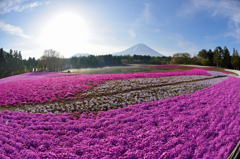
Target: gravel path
x,y
234,71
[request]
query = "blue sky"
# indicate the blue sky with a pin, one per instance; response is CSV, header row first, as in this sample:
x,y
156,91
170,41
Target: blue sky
x,y
110,26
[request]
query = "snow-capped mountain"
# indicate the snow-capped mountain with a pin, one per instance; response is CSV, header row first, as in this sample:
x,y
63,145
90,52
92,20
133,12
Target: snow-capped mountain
x,y
139,49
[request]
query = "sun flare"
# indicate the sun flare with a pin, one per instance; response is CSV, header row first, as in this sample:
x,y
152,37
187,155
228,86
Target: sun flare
x,y
65,30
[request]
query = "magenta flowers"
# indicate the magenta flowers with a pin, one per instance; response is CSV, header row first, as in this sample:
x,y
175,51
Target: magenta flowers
x,y
47,89
204,124
35,75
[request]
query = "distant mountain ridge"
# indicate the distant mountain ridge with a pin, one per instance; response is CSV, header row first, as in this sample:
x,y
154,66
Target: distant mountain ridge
x,y
81,54
139,49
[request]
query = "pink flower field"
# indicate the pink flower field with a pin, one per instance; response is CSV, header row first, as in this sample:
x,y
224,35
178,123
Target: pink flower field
x,y
38,89
35,75
204,124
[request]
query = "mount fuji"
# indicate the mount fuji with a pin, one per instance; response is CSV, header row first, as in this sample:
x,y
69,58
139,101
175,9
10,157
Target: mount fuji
x,y
139,49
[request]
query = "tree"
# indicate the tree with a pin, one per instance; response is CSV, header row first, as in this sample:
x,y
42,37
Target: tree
x,y
61,62
15,54
226,61
217,57
9,64
185,58
17,63
202,54
181,58
164,61
73,61
20,55
51,59
2,63
155,60
235,61
220,54
205,62
196,60
100,61
11,52
92,61
210,56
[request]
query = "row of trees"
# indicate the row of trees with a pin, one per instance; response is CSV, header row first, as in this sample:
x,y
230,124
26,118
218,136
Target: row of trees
x,y
51,60
219,57
30,63
181,58
235,61
10,63
146,59
94,61
109,60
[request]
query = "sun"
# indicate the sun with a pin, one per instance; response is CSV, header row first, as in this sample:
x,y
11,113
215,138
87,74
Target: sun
x,y
65,30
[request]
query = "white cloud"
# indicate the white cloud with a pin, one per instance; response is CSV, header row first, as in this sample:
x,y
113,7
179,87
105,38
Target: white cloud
x,y
146,12
13,30
7,6
180,44
217,8
132,33
143,19
145,15
154,30
209,38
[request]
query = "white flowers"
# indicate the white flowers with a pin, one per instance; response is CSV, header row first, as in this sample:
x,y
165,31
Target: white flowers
x,y
122,97
118,86
217,74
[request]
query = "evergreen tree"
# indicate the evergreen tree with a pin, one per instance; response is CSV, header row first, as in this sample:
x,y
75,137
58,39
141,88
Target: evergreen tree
x,y
20,55
15,54
20,65
210,57
220,54
9,65
237,60
234,58
202,54
226,61
73,61
11,52
15,62
217,57
2,63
